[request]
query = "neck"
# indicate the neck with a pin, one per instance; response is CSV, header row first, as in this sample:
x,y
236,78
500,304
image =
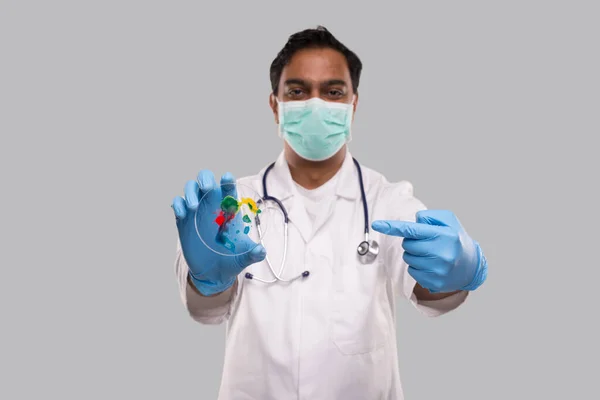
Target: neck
x,y
312,174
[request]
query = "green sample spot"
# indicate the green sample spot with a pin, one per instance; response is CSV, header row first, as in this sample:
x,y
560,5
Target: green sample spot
x,y
229,205
246,230
247,219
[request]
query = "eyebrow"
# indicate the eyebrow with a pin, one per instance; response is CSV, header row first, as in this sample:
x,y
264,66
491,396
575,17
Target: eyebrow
x,y
295,82
331,82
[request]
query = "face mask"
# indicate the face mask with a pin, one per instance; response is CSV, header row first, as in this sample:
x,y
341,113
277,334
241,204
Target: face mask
x,y
315,129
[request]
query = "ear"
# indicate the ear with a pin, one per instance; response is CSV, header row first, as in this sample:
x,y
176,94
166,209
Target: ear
x,y
354,105
273,105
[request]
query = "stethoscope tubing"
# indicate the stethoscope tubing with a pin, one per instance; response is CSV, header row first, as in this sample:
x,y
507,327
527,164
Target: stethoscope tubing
x,y
281,207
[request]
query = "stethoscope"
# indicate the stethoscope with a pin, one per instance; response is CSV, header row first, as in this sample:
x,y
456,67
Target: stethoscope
x,y
367,249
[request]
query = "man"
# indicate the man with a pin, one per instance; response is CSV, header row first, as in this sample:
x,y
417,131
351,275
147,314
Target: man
x,y
330,334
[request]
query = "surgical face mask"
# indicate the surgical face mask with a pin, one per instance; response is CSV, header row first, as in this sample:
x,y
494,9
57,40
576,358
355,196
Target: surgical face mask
x,y
315,129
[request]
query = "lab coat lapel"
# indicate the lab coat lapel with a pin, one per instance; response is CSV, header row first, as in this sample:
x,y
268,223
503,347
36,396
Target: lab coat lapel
x,y
347,187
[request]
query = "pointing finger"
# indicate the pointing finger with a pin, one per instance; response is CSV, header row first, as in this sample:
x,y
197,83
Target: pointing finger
x,y
405,229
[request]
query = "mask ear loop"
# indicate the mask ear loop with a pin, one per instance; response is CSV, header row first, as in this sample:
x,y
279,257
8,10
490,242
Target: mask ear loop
x,y
279,118
351,111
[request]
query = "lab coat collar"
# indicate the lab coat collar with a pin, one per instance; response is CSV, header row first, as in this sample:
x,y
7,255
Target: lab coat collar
x,y
281,185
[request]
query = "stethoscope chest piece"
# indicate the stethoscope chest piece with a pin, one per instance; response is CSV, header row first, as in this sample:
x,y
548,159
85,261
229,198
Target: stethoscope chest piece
x,y
367,252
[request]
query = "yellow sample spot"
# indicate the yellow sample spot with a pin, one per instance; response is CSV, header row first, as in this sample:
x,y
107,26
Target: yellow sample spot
x,y
251,204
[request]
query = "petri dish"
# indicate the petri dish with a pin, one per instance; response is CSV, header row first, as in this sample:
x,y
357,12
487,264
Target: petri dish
x,y
231,219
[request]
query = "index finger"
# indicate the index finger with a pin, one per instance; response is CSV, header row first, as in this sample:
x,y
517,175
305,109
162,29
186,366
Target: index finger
x,y
206,181
406,229
228,186
209,196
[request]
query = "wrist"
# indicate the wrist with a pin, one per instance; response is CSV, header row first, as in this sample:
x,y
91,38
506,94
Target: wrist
x,y
480,271
207,288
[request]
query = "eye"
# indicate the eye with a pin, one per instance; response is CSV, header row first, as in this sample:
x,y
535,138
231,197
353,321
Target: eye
x,y
335,93
295,92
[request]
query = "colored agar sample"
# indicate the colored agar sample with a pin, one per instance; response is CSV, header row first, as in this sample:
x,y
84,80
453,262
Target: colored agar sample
x,y
250,203
230,205
229,209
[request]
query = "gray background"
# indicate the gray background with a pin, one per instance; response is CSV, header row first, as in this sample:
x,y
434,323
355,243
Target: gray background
x,y
108,107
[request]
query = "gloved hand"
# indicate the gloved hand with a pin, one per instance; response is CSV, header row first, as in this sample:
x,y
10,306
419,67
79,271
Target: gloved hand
x,y
440,254
210,272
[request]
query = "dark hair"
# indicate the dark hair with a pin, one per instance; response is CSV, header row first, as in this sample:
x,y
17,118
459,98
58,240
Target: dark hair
x,y
313,38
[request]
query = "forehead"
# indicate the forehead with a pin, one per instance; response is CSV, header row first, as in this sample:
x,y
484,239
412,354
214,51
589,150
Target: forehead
x,y
316,65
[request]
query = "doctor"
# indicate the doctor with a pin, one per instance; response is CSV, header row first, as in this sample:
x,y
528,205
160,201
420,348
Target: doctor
x,y
331,333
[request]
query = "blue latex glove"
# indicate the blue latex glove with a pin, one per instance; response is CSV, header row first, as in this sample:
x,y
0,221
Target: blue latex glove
x,y
440,254
210,272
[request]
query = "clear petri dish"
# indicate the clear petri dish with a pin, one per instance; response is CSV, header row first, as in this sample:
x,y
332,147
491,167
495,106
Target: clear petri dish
x,y
231,219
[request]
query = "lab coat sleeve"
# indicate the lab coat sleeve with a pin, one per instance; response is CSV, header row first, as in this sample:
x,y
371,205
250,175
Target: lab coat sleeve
x,y
205,310
401,204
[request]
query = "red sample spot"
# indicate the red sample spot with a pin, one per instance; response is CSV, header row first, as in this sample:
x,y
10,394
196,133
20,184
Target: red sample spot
x,y
220,219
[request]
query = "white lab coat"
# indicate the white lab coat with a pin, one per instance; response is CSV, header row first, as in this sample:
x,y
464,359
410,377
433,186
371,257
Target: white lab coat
x,y
331,336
